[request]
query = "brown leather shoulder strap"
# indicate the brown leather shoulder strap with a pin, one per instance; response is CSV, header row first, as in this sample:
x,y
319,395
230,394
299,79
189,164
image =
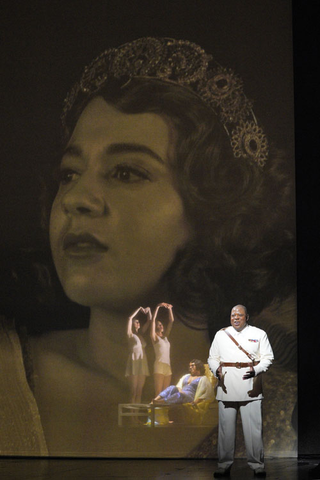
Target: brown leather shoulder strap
x,y
238,345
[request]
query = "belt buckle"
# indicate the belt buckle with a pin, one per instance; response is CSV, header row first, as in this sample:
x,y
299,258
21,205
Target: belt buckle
x,y
238,365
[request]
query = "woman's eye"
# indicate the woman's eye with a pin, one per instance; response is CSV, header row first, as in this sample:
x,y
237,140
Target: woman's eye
x,y
129,174
66,176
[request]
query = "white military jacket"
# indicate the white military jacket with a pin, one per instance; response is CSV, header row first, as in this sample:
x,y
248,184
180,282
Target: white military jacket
x,y
232,387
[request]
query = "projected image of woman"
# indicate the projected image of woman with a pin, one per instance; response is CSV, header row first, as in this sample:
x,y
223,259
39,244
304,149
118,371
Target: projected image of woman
x,y
168,192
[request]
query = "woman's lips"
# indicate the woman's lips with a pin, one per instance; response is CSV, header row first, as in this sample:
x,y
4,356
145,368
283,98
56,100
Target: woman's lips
x,y
83,244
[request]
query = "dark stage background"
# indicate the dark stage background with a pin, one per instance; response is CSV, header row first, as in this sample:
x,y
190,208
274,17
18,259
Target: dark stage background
x,y
305,42
45,45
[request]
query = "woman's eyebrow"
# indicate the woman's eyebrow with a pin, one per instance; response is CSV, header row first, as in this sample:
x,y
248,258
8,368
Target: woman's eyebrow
x,y
116,148
72,150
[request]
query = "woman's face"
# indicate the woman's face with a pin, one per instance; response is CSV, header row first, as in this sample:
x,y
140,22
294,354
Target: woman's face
x,y
117,221
136,325
159,327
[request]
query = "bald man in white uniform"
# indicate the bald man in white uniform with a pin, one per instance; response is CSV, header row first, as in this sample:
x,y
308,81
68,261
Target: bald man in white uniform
x,y
238,369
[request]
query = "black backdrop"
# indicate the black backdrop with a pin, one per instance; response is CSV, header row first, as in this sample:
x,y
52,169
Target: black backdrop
x,y
44,48
305,41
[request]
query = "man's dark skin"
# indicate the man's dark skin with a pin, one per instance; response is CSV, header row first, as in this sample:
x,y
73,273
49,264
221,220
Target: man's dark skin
x,y
239,320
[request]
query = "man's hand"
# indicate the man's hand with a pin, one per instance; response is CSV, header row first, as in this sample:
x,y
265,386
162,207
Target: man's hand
x,y
219,372
249,374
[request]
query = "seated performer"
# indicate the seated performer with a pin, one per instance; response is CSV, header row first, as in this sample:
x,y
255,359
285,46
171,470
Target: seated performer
x,y
193,387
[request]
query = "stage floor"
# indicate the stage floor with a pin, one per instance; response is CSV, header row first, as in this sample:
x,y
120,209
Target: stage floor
x,y
102,469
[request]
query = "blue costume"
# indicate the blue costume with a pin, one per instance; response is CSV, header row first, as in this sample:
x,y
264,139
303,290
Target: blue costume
x,y
172,394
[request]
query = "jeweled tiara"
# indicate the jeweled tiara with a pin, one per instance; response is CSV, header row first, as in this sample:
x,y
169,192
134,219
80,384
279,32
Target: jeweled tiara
x,y
186,64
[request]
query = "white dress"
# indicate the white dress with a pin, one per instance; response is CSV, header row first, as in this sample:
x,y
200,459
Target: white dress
x,y
137,363
162,353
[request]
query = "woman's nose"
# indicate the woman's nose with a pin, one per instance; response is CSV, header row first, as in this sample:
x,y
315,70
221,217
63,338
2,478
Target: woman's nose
x,y
84,198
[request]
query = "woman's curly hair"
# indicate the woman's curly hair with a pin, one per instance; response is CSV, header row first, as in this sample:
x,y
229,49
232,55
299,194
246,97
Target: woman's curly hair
x,y
242,250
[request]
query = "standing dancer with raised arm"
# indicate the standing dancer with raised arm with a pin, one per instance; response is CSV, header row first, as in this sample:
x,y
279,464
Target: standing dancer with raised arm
x,y
159,335
137,365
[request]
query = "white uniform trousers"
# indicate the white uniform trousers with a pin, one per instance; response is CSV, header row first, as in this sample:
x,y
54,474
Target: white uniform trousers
x,y
251,417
